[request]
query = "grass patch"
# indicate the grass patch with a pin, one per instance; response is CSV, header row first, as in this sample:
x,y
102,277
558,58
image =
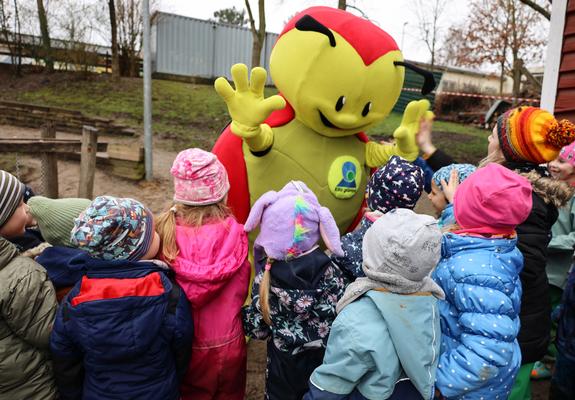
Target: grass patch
x,y
466,144
186,115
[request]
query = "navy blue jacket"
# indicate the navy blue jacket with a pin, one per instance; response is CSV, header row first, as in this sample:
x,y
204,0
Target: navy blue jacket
x,y
565,314
65,265
427,173
123,332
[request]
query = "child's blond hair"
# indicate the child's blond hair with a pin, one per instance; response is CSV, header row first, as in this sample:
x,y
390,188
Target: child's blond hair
x,y
194,216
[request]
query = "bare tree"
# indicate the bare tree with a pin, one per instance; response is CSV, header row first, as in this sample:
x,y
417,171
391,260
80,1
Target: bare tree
x,y
539,8
114,40
75,25
45,34
429,13
259,34
130,31
511,38
341,4
17,40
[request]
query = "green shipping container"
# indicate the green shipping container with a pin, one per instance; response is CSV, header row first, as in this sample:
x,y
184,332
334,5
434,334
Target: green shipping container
x,y
415,81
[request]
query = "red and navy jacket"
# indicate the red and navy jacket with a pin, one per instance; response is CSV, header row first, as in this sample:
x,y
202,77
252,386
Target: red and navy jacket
x,y
123,332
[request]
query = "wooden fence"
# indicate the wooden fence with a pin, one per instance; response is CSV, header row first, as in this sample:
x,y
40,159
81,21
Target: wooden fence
x,y
126,161
35,116
48,148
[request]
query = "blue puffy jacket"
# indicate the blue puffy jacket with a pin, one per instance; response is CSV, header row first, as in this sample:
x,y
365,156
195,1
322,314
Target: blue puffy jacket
x,y
480,355
123,332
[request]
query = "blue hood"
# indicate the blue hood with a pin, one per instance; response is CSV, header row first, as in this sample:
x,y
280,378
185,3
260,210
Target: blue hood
x,y
66,266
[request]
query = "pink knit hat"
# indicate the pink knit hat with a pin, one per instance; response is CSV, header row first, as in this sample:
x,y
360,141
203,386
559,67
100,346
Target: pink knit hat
x,y
199,178
568,153
493,200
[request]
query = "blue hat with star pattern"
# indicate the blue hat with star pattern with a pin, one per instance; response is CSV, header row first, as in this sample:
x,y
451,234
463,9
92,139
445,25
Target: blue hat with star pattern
x,y
114,228
397,184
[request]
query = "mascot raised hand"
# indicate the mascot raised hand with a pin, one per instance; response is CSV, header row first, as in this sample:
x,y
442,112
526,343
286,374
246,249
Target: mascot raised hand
x,y
337,75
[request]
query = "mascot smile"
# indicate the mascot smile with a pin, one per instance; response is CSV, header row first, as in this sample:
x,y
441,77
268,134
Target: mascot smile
x,y
337,75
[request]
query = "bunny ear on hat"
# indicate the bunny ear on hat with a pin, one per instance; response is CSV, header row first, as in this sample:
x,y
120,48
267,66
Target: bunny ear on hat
x,y
329,231
258,208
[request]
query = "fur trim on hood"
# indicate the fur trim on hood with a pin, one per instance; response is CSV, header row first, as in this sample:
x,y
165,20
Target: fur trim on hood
x,y
552,191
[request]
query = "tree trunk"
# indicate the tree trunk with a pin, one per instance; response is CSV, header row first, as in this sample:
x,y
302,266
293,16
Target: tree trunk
x,y
46,46
341,4
256,52
258,35
517,66
502,78
114,34
18,38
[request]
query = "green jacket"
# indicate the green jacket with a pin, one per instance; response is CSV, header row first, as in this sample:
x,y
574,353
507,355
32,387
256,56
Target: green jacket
x,y
560,249
27,311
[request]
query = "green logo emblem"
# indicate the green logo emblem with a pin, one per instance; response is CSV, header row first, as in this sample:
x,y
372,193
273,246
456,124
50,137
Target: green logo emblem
x,y
344,177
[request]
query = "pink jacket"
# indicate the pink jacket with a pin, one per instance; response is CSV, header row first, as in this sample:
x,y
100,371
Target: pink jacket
x,y
214,272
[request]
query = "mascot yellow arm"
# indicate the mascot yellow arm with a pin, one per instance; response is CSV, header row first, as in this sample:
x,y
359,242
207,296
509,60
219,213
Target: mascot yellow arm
x,y
405,146
247,106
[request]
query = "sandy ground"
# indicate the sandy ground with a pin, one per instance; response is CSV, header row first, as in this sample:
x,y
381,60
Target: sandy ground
x,y
156,195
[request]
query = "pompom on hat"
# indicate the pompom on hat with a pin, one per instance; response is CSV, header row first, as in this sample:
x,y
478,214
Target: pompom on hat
x,y
200,179
292,221
530,134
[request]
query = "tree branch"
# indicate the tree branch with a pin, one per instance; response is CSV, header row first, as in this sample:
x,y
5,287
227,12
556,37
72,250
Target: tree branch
x,y
251,18
537,8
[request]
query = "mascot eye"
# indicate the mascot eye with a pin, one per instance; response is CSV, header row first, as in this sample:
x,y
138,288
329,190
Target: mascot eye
x,y
340,103
366,109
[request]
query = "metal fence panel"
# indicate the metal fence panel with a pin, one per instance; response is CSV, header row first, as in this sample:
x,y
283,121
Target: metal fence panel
x,y
193,47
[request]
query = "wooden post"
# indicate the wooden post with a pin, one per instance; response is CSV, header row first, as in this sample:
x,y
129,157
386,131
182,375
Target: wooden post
x,y
88,162
49,164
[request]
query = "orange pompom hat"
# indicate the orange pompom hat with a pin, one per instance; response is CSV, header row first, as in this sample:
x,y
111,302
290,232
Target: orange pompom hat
x,y
533,135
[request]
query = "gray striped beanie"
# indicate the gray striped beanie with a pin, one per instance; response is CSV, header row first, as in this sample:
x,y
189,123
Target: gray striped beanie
x,y
11,192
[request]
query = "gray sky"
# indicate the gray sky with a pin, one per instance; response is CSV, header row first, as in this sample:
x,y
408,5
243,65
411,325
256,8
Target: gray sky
x,y
390,15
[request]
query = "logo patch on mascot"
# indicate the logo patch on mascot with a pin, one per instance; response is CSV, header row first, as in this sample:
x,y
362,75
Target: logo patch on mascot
x,y
344,177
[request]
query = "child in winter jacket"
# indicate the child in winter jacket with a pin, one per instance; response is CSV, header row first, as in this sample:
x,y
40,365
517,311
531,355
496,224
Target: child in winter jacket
x,y
479,273
560,248
387,328
559,260
208,251
27,307
124,330
398,184
297,288
439,199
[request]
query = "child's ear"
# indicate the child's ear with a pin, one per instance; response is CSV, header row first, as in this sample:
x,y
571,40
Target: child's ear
x,y
258,208
329,231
